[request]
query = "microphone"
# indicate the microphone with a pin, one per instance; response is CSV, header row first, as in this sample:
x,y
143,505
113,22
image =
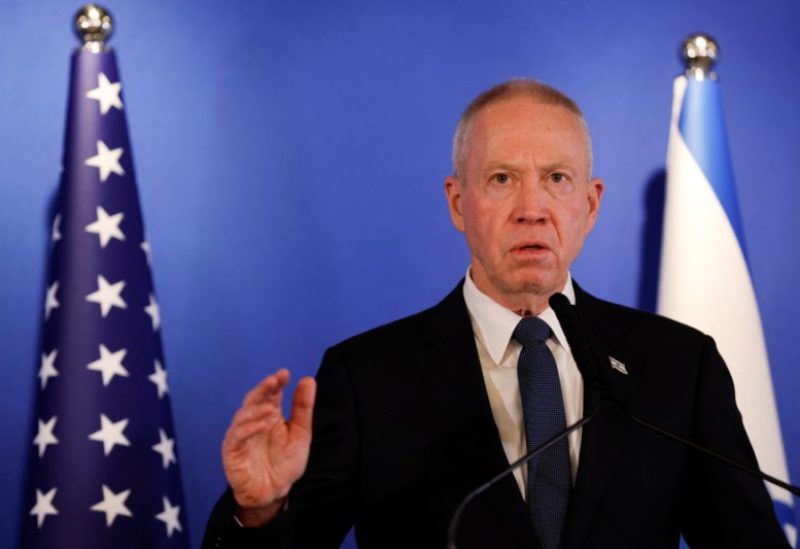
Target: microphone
x,y
579,344
453,527
576,336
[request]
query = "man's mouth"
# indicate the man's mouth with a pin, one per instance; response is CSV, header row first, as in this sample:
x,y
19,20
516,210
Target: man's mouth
x,y
529,247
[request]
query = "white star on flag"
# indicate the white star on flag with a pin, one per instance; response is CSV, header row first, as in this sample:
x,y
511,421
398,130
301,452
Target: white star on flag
x,y
48,367
113,505
159,377
165,447
55,234
109,364
169,516
110,434
45,436
106,160
51,302
145,246
154,312
106,93
106,226
44,506
107,295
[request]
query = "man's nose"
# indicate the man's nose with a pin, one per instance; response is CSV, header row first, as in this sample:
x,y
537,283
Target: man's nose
x,y
531,202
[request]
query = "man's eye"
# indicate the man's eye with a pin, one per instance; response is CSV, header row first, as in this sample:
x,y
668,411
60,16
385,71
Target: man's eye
x,y
502,178
557,177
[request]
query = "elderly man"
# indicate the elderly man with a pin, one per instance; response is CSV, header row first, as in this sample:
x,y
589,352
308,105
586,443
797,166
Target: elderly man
x,y
412,416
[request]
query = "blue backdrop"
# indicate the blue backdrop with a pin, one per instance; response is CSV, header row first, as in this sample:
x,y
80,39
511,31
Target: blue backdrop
x,y
290,159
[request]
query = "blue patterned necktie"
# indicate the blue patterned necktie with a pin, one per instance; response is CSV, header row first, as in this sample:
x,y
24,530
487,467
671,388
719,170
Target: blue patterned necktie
x,y
549,476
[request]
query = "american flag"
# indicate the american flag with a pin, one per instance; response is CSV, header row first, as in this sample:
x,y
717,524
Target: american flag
x,y
103,469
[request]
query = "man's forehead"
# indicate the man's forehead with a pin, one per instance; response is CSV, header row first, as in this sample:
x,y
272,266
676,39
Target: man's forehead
x,y
526,119
548,128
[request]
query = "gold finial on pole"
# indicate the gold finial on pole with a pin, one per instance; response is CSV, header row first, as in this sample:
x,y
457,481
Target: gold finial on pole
x,y
700,52
93,25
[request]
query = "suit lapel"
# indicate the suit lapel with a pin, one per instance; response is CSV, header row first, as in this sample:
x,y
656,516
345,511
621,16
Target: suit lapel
x,y
602,437
451,372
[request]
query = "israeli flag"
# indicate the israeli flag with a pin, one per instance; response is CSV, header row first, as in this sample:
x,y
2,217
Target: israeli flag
x,y
704,279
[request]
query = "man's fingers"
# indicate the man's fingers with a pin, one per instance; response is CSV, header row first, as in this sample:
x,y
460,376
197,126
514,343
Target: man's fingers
x,y
237,436
249,422
250,413
270,389
261,409
303,402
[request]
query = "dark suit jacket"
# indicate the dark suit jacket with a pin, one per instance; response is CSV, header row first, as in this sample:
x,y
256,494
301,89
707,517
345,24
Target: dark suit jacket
x,y
403,431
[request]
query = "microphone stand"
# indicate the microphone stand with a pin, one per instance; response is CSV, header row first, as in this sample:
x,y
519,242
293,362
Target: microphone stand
x,y
672,436
453,527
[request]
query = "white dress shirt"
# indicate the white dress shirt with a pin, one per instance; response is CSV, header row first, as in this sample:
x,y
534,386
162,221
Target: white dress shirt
x,y
494,326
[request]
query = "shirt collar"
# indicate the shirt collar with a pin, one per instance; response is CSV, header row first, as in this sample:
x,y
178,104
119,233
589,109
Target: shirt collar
x,y
496,323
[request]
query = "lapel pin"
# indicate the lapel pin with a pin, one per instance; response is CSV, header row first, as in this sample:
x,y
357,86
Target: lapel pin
x,y
617,365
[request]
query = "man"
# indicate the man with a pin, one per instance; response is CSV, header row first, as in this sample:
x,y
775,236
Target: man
x,y
410,417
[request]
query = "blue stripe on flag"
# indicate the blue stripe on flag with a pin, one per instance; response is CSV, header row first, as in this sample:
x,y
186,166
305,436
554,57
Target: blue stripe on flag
x,y
703,129
784,513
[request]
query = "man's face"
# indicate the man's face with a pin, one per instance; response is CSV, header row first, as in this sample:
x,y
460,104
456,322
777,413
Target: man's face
x,y
524,199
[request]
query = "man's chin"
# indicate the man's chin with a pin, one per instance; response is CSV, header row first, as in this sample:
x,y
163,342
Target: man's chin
x,y
539,285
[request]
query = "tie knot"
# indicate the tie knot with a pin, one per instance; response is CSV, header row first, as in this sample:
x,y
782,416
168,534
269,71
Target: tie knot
x,y
532,330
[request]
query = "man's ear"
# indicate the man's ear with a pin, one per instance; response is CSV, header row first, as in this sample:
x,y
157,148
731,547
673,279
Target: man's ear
x,y
595,195
453,190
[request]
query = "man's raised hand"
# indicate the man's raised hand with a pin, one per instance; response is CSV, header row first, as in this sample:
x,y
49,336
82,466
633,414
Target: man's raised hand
x,y
264,454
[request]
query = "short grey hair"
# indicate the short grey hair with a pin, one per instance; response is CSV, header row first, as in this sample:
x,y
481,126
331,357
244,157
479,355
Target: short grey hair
x,y
516,87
